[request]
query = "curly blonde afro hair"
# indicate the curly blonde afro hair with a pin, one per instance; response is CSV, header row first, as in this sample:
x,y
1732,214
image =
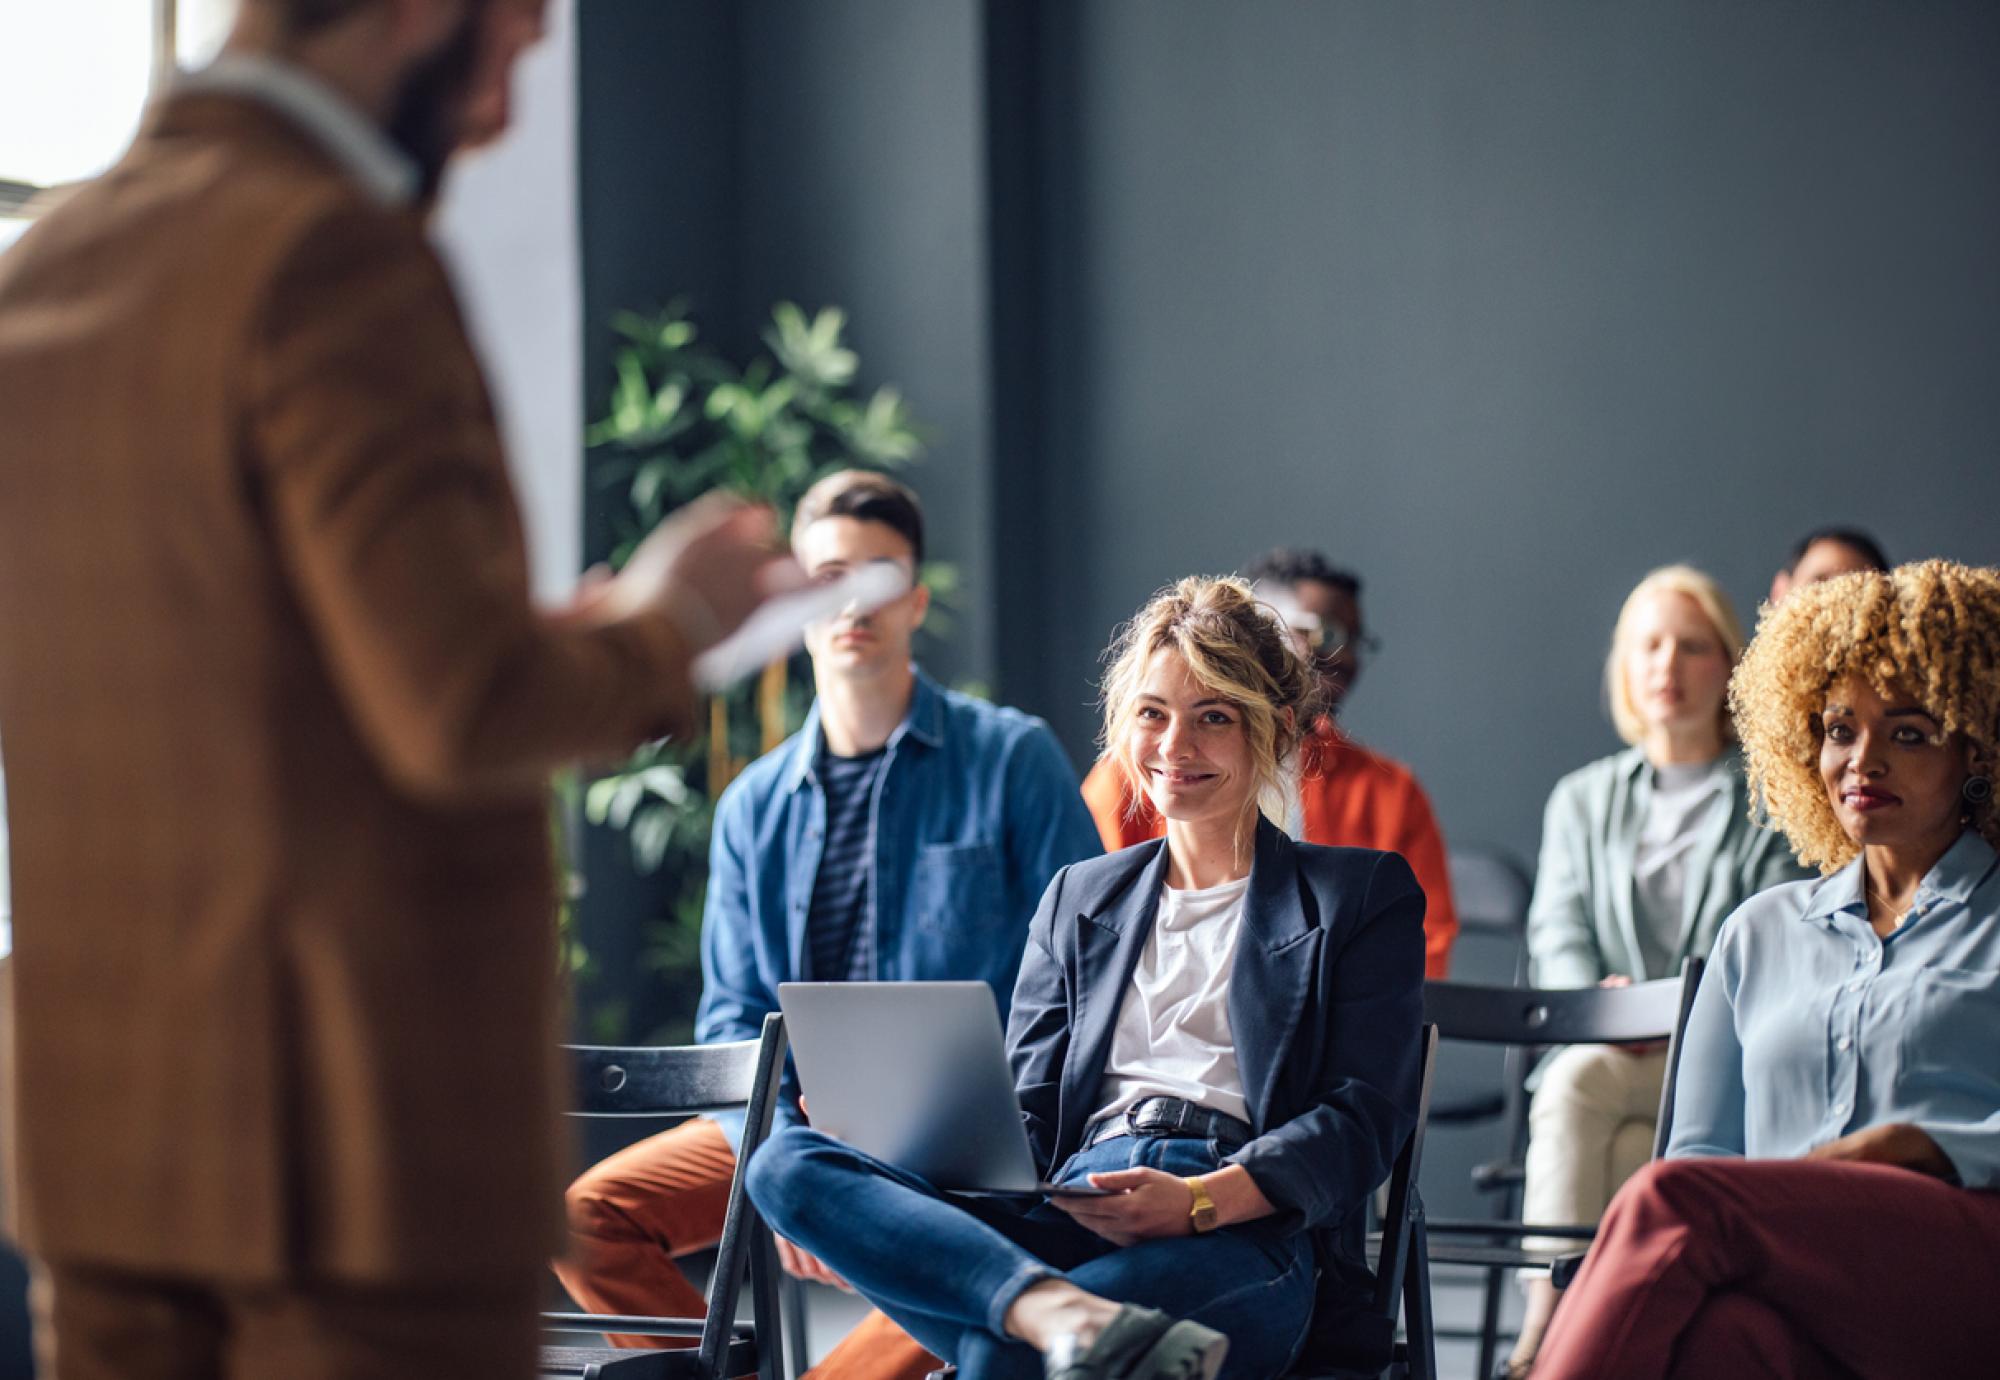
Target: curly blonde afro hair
x,y
1929,630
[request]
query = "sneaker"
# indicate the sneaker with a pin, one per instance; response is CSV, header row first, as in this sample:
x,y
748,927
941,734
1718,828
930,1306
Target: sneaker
x,y
1142,1344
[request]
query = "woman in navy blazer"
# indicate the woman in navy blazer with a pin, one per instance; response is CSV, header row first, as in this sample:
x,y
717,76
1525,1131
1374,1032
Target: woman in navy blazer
x,y
1217,1031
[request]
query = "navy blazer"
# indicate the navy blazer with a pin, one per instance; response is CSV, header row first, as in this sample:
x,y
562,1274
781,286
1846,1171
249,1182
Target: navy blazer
x,y
1325,1004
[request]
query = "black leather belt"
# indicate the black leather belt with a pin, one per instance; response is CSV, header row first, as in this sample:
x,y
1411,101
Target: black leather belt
x,y
1170,1116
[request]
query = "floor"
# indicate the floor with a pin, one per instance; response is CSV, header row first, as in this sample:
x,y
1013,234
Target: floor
x,y
1454,1295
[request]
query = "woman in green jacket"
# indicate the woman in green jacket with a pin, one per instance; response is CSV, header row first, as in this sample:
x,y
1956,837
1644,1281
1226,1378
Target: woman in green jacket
x,y
1643,855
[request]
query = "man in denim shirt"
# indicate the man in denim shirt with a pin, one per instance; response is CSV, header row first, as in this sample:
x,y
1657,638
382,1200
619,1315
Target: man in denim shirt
x,y
905,832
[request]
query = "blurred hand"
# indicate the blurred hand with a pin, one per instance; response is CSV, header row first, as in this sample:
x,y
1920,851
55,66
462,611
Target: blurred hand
x,y
706,568
799,1265
1146,1203
1650,1046
591,587
1896,1142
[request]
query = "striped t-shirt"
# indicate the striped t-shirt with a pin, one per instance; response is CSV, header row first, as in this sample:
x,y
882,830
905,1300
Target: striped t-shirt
x,y
840,929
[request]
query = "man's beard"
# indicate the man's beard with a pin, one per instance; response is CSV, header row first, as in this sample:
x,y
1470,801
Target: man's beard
x,y
430,104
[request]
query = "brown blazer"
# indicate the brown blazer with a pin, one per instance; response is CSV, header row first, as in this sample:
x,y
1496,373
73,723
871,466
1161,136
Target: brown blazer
x,y
278,719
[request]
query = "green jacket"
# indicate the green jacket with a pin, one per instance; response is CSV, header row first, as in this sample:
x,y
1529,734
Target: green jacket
x,y
1581,926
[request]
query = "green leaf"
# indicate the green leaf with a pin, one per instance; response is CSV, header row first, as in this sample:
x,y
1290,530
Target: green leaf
x,y
649,839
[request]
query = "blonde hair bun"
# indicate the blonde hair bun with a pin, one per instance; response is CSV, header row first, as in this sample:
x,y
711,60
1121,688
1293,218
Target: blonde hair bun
x,y
1234,645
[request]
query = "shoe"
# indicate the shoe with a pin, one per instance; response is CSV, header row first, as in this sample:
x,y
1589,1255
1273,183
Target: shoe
x,y
1142,1344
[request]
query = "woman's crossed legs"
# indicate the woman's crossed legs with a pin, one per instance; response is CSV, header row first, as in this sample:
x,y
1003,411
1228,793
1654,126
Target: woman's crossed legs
x,y
1784,1268
949,1269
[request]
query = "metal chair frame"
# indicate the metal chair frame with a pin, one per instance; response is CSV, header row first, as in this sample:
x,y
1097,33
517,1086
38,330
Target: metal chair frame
x,y
1527,1020
686,1080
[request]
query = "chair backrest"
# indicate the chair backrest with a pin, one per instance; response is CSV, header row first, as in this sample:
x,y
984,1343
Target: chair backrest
x,y
666,1080
1643,1013
1664,1126
1490,891
1403,1206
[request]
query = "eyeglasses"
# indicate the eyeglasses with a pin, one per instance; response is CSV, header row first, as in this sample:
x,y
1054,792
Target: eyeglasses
x,y
1326,637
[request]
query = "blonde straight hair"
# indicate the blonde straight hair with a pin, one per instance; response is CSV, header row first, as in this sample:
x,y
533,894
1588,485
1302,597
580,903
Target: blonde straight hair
x,y
1715,606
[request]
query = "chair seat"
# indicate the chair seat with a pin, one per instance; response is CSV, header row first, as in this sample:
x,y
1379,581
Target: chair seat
x,y
1491,1257
637,1363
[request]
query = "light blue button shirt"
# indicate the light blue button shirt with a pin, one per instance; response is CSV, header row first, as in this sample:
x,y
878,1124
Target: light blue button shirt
x,y
1809,1026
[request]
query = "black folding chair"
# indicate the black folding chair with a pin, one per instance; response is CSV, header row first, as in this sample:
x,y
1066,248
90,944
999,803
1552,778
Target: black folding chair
x,y
676,1080
1402,1273
1527,1019
1491,891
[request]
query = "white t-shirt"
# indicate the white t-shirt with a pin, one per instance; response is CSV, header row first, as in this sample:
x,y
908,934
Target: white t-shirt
x,y
1172,1038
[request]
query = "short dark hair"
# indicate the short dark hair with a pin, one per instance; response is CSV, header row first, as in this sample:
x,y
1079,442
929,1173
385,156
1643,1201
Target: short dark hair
x,y
869,496
1287,565
1851,537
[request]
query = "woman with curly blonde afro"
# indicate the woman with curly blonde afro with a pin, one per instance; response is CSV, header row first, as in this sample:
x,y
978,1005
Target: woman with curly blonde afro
x,y
1839,1084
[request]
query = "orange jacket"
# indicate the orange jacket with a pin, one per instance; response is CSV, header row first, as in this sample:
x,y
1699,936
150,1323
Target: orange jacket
x,y
1352,798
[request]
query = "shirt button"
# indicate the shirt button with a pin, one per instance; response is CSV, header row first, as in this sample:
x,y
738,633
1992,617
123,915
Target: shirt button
x,y
1840,1109
1843,1043
1856,985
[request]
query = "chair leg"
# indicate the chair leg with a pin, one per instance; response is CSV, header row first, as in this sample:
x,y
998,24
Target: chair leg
x,y
1417,1321
796,1354
767,1302
1489,1321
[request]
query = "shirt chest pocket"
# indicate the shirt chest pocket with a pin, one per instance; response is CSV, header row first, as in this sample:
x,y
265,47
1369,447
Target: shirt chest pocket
x,y
1947,1024
958,886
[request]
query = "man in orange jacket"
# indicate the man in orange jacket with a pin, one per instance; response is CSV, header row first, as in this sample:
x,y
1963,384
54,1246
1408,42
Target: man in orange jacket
x,y
1347,794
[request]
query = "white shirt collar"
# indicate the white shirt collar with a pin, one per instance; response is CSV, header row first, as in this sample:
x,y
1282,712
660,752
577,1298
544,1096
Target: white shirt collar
x,y
354,141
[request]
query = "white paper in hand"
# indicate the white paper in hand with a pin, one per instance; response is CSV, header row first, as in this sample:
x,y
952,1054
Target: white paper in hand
x,y
778,627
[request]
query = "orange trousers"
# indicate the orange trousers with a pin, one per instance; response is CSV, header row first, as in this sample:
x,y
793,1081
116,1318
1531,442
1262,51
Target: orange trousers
x,y
632,1214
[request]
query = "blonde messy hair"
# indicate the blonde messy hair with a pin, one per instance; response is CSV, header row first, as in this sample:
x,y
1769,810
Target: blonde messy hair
x,y
1238,649
1930,630
1714,605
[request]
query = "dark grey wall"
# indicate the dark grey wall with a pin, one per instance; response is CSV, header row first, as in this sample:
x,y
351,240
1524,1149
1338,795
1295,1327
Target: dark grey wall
x,y
863,188
1503,305
738,154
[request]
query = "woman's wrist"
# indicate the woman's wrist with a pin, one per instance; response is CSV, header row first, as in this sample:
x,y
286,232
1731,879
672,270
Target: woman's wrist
x,y
1235,1195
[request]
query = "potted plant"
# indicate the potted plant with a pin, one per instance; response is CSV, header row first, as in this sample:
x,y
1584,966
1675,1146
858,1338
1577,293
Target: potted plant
x,y
683,420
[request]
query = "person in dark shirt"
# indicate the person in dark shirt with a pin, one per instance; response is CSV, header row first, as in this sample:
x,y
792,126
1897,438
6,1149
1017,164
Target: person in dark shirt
x,y
905,832
1824,553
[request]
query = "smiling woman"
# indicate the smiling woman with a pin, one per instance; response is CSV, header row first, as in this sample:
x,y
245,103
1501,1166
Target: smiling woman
x,y
1218,1031
1203,707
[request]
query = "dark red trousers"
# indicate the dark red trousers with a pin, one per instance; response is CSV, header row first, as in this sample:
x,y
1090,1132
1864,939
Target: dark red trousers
x,y
1741,1269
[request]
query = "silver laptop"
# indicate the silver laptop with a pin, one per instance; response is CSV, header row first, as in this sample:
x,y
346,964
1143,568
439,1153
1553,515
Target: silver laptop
x,y
916,1075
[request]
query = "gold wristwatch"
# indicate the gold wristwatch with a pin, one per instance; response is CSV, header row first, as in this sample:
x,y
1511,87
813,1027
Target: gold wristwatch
x,y
1202,1215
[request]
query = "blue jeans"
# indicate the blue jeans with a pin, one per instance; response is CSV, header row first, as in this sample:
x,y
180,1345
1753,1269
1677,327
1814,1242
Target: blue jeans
x,y
948,1269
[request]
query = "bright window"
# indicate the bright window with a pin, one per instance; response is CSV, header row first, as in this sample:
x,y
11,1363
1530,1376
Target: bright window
x,y
77,80
78,74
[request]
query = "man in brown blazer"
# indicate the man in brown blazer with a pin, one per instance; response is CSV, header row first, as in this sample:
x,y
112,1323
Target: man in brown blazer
x,y
278,719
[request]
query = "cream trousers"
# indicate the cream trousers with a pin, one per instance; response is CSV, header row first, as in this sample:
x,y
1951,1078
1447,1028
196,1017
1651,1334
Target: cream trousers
x,y
1590,1128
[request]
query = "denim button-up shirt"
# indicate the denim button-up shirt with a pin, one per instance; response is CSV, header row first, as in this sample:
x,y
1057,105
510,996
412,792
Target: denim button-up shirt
x,y
1809,1026
975,809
